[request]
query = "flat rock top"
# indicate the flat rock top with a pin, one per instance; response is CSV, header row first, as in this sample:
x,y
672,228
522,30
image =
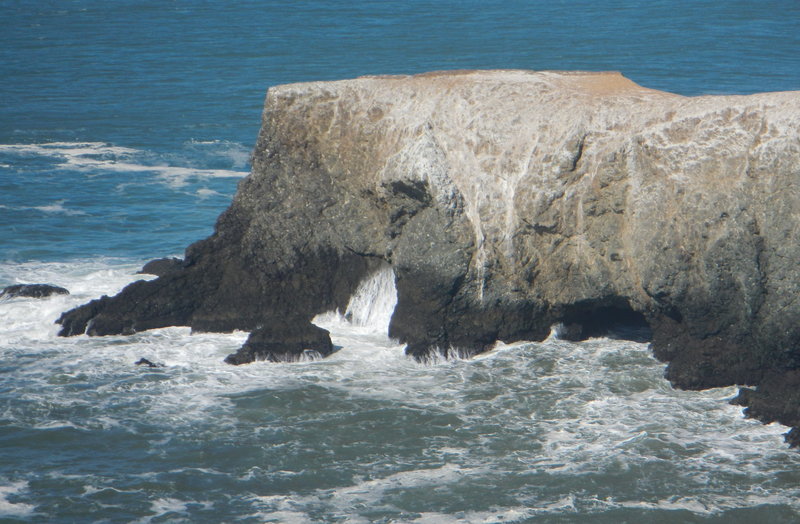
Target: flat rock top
x,y
491,84
589,82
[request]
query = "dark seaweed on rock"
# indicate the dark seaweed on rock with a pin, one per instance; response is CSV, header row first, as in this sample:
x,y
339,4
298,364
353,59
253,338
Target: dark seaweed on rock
x,y
507,202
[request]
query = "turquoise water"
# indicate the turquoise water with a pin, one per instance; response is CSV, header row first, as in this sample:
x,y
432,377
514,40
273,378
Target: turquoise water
x,y
124,129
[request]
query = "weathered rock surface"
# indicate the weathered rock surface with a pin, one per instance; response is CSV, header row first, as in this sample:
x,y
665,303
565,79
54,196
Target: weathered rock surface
x,y
161,266
284,340
32,291
505,202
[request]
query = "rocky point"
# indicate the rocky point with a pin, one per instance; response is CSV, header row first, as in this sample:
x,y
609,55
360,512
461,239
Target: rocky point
x,y
506,202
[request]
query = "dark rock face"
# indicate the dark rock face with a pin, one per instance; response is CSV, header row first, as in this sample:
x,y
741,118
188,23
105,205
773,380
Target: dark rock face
x,y
32,291
215,292
777,398
506,202
284,341
162,266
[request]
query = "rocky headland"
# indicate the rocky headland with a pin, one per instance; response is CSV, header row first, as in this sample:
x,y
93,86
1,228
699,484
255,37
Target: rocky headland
x,y
506,202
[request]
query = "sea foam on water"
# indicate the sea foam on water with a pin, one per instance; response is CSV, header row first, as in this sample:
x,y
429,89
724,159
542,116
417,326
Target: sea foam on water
x,y
118,147
594,422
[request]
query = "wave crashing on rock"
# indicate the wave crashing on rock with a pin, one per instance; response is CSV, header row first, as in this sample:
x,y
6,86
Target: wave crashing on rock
x,y
506,202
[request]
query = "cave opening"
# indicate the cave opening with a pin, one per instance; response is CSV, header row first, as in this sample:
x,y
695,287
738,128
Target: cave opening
x,y
611,317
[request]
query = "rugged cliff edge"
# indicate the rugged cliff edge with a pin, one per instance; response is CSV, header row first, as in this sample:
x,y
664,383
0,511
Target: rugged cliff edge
x,y
505,202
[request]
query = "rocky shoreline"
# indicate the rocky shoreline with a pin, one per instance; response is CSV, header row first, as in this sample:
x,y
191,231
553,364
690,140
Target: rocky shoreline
x,y
506,202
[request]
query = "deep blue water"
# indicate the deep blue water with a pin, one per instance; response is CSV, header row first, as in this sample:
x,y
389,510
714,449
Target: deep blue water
x,y
160,77
124,128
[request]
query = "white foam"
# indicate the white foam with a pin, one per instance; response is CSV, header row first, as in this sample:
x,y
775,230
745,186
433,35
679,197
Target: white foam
x,y
58,207
371,305
32,320
206,193
714,504
516,514
66,149
363,494
577,410
174,176
236,153
105,158
167,507
13,509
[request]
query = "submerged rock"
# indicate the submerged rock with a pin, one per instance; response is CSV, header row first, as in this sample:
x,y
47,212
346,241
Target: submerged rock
x,y
32,291
144,362
506,202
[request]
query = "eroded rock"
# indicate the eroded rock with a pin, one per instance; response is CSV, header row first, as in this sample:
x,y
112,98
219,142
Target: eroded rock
x,y
284,341
161,266
506,202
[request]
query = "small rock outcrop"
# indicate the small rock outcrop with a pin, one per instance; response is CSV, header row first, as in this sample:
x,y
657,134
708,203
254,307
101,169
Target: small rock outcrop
x,y
161,266
32,291
144,362
506,202
284,340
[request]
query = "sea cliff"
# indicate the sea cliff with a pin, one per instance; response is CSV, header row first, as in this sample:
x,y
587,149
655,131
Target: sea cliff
x,y
506,202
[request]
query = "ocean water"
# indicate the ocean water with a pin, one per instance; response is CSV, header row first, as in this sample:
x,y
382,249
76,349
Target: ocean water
x,y
124,129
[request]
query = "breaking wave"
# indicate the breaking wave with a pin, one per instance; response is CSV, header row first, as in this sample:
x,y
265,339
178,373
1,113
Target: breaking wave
x,y
371,305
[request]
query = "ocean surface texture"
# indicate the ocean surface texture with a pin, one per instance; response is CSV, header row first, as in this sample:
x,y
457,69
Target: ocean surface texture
x,y
124,129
